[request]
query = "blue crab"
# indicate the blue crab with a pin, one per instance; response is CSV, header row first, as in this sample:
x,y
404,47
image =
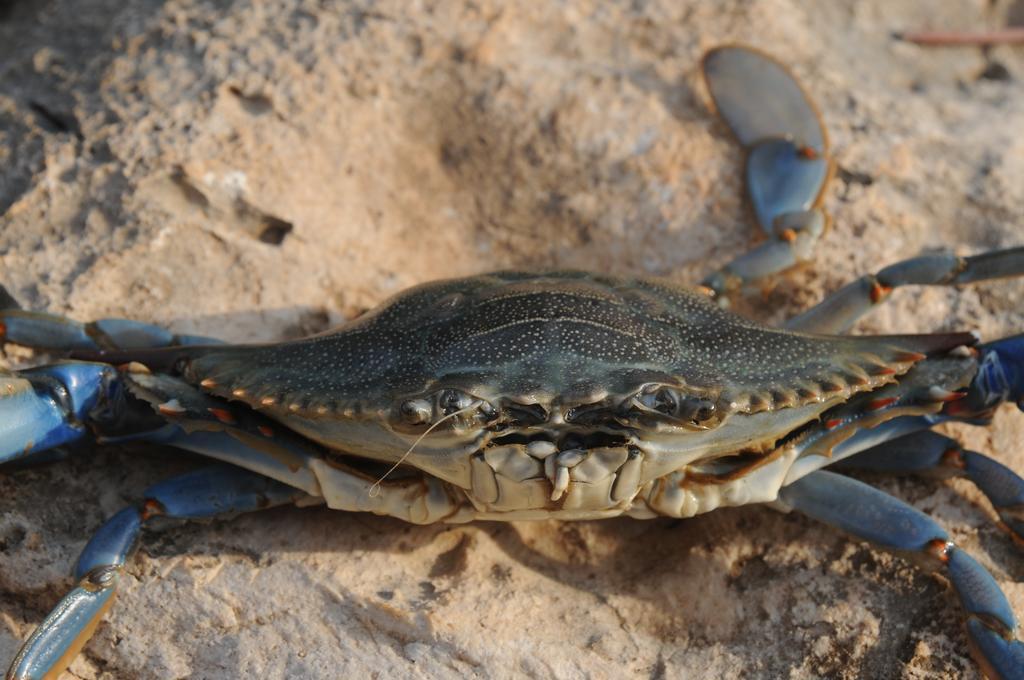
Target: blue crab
x,y
560,394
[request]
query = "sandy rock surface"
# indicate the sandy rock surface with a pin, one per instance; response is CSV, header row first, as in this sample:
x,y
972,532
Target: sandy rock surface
x,y
259,170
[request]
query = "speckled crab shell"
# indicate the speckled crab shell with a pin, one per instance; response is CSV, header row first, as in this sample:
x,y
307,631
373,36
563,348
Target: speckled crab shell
x,y
555,345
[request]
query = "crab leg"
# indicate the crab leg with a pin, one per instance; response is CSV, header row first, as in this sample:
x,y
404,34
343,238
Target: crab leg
x,y
838,312
932,453
219,429
790,243
211,492
59,333
417,499
872,515
787,163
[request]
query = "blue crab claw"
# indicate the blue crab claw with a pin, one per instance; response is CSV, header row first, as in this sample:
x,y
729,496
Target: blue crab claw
x,y
787,163
45,407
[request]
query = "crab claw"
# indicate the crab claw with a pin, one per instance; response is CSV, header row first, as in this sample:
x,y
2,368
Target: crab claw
x,y
44,407
787,164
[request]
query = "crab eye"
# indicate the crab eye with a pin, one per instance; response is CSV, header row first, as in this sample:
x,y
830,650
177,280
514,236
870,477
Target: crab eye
x,y
415,411
452,401
677,406
663,400
701,410
446,409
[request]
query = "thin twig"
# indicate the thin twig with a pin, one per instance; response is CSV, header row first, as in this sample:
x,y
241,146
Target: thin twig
x,y
1013,35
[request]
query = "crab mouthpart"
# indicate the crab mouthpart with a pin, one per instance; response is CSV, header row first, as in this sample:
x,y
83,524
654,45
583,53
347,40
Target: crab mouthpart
x,y
600,471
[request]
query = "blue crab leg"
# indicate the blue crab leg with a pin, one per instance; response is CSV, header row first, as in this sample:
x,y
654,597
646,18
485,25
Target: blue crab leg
x,y
759,98
211,492
787,164
791,243
874,516
227,431
935,454
839,311
59,333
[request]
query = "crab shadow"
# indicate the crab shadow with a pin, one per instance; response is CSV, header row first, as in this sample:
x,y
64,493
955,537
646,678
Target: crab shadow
x,y
736,574
704,581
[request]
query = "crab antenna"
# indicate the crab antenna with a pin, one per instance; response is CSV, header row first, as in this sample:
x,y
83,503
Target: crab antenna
x,y
375,489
